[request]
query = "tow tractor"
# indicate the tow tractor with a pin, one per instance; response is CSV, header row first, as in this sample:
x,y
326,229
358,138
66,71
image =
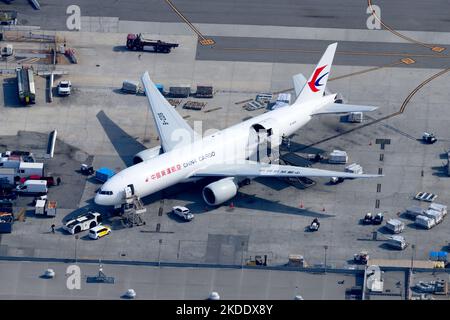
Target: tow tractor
x,y
336,180
315,225
136,42
362,257
368,218
378,219
86,169
429,137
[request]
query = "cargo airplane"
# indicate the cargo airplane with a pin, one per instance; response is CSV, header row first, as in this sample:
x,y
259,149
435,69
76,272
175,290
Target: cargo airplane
x,y
229,154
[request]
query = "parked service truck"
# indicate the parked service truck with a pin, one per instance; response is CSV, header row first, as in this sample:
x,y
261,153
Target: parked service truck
x,y
415,211
439,207
25,85
27,169
425,222
433,214
397,242
395,226
33,187
136,42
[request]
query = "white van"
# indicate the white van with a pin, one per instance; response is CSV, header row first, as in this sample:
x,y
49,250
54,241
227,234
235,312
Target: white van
x,y
33,187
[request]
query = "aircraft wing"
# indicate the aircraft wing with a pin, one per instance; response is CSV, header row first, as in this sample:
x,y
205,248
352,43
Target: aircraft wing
x,y
342,108
251,169
173,130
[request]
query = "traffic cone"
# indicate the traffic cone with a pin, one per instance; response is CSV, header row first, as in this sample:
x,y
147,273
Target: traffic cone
x,y
301,205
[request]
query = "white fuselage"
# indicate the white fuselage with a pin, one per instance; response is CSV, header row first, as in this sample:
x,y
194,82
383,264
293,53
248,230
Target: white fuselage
x,y
231,145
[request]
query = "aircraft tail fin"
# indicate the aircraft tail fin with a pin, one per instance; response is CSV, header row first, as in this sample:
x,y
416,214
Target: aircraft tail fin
x,y
315,86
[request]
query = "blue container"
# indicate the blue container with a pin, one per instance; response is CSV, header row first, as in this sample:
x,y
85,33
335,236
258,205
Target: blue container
x,y
160,87
438,256
103,174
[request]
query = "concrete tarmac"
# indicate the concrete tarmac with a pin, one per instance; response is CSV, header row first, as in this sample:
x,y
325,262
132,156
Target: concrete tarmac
x,y
403,14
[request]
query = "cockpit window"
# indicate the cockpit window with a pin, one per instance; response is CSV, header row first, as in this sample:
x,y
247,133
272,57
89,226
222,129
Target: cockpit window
x,y
106,193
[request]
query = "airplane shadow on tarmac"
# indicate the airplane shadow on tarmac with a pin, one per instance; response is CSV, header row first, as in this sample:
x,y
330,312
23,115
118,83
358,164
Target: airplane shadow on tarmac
x,y
126,146
192,193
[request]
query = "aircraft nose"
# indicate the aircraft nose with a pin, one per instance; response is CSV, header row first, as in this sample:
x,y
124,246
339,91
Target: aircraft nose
x,y
101,199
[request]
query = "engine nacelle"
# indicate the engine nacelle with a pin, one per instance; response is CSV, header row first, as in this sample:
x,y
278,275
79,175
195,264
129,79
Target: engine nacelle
x,y
147,154
220,191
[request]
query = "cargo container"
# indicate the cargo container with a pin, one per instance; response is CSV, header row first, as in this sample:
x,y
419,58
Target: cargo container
x,y
39,208
283,100
438,256
425,222
263,98
395,226
51,208
355,117
354,168
180,92
338,157
103,174
27,169
160,88
204,92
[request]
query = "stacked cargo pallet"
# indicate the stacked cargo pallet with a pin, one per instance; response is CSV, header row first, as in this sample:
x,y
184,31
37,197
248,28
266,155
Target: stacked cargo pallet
x,y
194,105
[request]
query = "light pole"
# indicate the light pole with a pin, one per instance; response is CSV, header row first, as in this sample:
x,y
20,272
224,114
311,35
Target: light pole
x,y
76,245
242,256
413,247
326,248
159,253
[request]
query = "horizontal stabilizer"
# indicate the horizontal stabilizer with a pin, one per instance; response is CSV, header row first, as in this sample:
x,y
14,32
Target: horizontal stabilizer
x,y
299,81
252,169
342,108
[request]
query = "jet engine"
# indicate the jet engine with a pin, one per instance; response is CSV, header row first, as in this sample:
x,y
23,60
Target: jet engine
x,y
220,191
147,154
